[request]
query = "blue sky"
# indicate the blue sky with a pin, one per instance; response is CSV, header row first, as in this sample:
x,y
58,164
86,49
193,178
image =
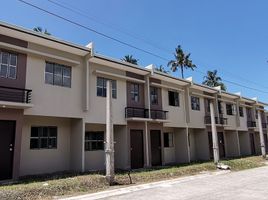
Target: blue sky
x,y
230,36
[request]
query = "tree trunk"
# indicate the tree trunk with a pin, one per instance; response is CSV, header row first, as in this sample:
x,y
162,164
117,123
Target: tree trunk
x,y
182,76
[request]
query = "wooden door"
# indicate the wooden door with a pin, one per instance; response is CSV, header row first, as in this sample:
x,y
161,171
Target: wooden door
x,y
156,154
136,148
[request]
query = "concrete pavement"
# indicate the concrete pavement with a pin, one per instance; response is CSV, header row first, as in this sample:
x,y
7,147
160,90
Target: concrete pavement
x,y
243,185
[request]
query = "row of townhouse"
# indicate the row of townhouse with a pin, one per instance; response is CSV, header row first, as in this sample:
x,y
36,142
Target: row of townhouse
x,y
53,105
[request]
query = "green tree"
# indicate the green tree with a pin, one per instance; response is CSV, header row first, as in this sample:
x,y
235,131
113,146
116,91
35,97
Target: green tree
x,y
181,61
40,30
130,59
161,69
213,80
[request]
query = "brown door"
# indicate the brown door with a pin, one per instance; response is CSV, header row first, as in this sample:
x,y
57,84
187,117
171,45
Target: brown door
x,y
252,144
266,142
7,134
136,148
220,144
156,147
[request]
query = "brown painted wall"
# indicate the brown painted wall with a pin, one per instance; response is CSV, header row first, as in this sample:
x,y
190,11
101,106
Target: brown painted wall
x,y
14,41
130,102
19,82
14,115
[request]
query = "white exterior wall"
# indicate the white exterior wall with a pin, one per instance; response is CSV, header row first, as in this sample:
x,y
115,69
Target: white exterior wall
x,y
244,142
52,100
231,144
169,152
243,121
181,145
40,161
97,105
121,147
231,119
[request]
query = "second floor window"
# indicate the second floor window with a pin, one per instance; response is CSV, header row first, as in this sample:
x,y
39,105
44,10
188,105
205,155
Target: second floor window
x,y
230,109
56,74
195,103
241,112
8,65
102,89
173,98
154,96
134,92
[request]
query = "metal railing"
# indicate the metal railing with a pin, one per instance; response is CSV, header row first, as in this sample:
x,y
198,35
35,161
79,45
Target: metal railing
x,y
15,94
144,113
251,124
218,120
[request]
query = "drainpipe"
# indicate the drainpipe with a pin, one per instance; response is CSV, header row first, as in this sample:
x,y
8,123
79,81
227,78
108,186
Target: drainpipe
x,y
214,134
261,135
109,150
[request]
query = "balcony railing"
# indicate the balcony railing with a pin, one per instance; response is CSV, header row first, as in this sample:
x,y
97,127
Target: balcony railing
x,y
251,124
218,120
15,94
144,113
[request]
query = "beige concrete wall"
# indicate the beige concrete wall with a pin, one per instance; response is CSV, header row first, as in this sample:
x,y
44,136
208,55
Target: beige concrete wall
x,y
230,118
244,143
121,147
201,144
77,144
243,121
51,100
169,152
45,160
181,145
192,144
197,116
97,105
176,114
95,160
231,144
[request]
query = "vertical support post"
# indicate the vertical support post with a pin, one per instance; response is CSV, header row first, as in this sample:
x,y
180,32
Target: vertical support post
x,y
214,134
263,152
147,144
109,150
148,95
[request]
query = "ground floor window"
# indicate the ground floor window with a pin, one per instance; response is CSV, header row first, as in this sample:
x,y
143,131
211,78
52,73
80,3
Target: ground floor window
x,y
94,141
43,138
168,140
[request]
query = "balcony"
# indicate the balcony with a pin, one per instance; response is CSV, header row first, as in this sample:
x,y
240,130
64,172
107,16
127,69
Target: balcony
x,y
251,124
132,112
16,95
218,120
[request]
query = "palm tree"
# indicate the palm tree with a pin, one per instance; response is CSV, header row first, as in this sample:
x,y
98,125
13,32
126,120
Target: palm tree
x,y
161,69
130,59
213,80
181,61
40,30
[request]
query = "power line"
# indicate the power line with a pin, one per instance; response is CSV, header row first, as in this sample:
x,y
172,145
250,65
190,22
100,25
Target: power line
x,y
126,44
94,31
82,13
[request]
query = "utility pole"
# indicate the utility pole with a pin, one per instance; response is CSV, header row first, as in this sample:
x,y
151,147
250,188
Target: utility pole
x,y
109,147
263,152
214,134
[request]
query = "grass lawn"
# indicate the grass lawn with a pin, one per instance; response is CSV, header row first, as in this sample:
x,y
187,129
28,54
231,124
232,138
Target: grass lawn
x,y
70,184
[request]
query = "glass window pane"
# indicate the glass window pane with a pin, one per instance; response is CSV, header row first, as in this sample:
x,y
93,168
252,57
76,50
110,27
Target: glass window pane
x,y
3,71
66,82
57,80
34,132
49,78
34,143
43,143
13,59
52,132
58,70
49,67
12,72
99,82
67,71
113,94
52,143
4,58
99,92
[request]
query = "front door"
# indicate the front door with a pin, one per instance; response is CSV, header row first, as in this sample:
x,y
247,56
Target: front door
x,y
220,144
7,134
156,154
266,142
252,144
136,148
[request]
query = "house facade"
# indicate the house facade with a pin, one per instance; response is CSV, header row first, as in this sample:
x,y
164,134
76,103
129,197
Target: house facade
x,y
53,111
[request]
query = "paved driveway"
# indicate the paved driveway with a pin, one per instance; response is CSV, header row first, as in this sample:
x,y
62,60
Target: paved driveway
x,y
244,185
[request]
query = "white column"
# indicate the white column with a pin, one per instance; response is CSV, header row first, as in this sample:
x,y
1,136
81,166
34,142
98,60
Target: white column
x,y
263,152
214,133
109,150
148,96
147,144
